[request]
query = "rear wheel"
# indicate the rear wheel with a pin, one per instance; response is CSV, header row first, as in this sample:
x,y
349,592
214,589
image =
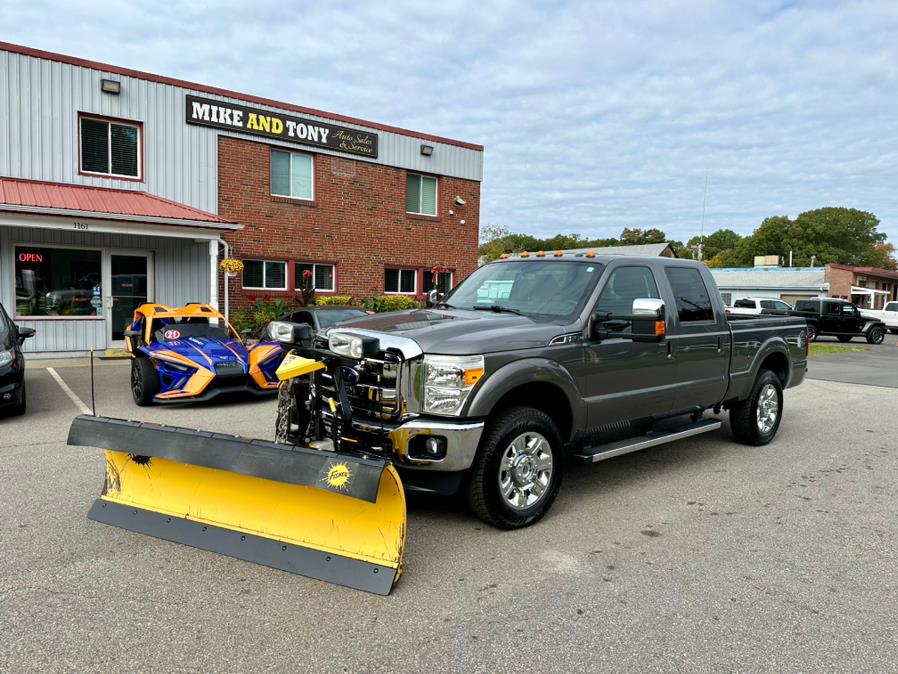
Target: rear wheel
x,y
876,335
812,333
756,420
844,338
144,381
517,473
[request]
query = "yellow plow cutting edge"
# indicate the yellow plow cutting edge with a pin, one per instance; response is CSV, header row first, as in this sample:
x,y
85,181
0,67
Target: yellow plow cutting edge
x,y
335,517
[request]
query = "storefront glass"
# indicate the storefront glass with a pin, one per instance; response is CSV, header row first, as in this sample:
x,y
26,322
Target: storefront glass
x,y
57,281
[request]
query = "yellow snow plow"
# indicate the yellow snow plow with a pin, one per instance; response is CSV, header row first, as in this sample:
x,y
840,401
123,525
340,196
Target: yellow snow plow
x,y
318,506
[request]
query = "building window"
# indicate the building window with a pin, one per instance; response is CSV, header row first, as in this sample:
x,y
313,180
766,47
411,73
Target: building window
x,y
323,277
862,281
292,175
441,280
693,301
110,148
57,281
421,194
264,275
401,281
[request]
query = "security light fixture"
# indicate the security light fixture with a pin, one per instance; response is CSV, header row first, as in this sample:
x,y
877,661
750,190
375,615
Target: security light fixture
x,y
459,201
427,150
111,87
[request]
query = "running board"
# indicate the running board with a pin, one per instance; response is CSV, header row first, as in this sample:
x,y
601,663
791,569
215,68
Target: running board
x,y
651,439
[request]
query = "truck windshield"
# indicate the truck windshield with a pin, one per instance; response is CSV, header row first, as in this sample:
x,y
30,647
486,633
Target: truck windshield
x,y
542,288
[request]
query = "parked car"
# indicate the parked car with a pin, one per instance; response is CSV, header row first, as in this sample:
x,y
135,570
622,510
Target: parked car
x,y
755,306
321,317
888,315
193,353
12,364
839,318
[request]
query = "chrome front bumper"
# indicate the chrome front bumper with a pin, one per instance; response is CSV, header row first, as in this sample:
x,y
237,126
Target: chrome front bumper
x,y
462,440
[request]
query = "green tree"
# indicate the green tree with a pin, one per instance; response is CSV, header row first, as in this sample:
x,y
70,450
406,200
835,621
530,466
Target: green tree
x,y
715,243
635,236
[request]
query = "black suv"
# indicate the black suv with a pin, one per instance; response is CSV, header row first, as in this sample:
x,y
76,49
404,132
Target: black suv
x,y
12,364
839,318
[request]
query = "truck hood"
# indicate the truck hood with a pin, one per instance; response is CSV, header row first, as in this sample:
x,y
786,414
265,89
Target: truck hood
x,y
462,332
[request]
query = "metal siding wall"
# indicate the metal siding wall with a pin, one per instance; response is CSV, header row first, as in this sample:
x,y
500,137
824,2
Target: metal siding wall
x,y
39,133
181,275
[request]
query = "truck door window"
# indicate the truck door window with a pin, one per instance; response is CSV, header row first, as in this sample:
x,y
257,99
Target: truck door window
x,y
744,304
849,310
831,308
693,300
625,285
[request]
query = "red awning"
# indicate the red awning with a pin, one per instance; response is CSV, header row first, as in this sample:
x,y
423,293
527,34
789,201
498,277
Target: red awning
x,y
31,196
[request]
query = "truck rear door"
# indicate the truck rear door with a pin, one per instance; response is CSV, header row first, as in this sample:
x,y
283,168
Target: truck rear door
x,y
699,340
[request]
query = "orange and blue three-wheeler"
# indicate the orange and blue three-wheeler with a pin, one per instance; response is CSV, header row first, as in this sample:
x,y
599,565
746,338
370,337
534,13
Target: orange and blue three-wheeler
x,y
193,353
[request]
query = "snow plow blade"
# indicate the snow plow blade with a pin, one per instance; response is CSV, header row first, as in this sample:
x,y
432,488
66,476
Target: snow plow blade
x,y
331,516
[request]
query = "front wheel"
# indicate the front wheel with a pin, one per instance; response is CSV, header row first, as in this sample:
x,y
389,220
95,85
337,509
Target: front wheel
x,y
756,420
517,473
876,335
144,381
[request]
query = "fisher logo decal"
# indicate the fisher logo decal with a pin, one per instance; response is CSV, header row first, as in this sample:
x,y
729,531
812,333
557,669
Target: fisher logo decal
x,y
172,334
338,476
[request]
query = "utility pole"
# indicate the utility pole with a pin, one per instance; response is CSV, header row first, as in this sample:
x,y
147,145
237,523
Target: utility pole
x,y
701,235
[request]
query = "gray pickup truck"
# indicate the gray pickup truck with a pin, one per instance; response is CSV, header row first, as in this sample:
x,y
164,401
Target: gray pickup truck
x,y
537,361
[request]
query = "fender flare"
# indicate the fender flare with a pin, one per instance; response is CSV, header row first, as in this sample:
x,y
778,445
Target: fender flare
x,y
773,345
522,372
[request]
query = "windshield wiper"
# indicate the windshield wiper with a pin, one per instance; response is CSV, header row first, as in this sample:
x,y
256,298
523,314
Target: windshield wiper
x,y
497,308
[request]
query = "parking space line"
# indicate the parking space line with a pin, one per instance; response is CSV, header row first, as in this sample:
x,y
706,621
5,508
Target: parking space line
x,y
84,409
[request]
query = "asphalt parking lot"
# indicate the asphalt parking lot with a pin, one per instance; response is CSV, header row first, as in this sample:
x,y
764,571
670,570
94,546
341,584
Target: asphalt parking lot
x,y
702,556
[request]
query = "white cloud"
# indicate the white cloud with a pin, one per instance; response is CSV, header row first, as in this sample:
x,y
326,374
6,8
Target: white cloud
x,y
595,115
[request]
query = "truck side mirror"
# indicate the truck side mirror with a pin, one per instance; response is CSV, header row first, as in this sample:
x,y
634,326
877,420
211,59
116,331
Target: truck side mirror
x,y
647,322
434,296
23,334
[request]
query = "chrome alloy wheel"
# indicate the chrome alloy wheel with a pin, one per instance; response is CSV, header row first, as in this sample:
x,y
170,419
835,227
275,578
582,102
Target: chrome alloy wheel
x,y
525,470
767,409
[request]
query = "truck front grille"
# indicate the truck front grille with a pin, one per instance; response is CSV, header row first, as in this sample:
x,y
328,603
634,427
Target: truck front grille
x,y
375,392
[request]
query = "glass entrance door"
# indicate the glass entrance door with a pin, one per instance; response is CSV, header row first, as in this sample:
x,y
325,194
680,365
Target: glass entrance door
x,y
130,285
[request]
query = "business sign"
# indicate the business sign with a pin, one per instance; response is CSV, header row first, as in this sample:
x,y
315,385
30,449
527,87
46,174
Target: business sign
x,y
232,117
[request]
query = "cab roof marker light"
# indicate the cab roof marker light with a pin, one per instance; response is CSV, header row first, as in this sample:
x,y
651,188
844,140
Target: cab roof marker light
x,y
558,253
591,253
541,253
525,254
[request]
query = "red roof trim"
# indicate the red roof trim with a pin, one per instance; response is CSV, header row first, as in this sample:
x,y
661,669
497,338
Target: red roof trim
x,y
67,196
161,79
891,273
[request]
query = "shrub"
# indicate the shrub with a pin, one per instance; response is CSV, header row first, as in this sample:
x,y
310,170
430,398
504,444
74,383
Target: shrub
x,y
333,299
382,303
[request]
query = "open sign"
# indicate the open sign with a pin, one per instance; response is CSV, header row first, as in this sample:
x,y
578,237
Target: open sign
x,y
31,257
171,334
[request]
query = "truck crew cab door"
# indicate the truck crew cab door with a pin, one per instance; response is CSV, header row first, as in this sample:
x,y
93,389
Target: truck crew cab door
x,y
830,317
623,380
851,322
699,341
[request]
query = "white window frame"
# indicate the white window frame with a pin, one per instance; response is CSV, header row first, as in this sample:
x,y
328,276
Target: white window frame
x,y
436,196
290,176
109,123
399,279
315,265
264,263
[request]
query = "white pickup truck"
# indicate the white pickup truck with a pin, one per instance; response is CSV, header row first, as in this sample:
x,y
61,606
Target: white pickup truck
x,y
888,315
754,306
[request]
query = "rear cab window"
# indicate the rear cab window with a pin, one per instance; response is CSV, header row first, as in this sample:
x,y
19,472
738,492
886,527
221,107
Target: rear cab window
x,y
691,294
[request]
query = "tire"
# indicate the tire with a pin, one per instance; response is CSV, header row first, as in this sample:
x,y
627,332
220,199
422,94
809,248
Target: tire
x,y
19,409
521,448
144,381
894,331
876,335
812,333
745,423
844,338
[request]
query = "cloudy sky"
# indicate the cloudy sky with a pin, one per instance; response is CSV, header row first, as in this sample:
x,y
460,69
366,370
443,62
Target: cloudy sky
x,y
595,115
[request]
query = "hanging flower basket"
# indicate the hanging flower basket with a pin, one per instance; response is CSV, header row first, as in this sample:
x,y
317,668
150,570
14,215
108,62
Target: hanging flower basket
x,y
230,266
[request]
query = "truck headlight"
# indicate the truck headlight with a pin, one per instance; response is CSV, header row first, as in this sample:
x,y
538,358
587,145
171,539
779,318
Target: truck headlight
x,y
448,381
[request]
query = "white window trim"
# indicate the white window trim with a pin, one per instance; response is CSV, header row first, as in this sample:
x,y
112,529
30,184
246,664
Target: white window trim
x,y
399,278
109,124
265,262
333,267
290,176
436,195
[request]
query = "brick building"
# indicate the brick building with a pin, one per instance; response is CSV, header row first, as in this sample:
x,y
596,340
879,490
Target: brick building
x,y
119,187
868,287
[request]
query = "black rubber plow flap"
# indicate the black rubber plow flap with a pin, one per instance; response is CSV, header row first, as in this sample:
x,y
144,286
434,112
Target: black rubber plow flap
x,y
326,515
